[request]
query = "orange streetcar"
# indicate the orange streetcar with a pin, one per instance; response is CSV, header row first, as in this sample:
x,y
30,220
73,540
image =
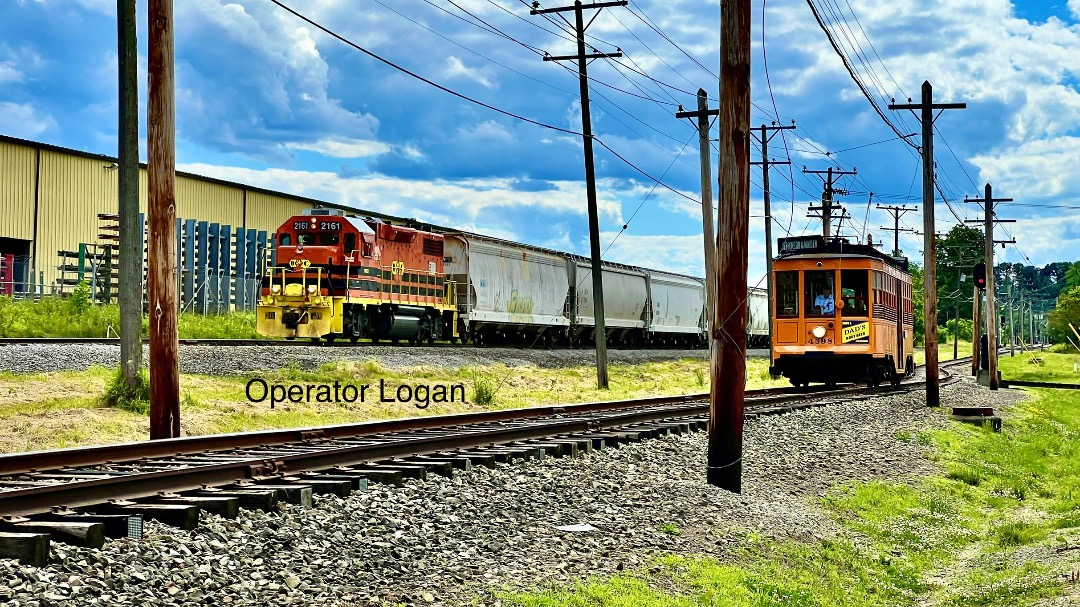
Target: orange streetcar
x,y
842,312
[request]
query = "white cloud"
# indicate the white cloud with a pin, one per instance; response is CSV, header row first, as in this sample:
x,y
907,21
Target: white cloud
x,y
1074,8
9,73
455,68
342,148
1042,168
22,120
460,202
489,129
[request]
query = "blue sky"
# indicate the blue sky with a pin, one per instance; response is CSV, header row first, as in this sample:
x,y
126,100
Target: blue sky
x,y
264,99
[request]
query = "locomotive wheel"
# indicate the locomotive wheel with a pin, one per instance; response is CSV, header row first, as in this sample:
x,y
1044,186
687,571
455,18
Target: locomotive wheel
x,y
331,338
354,338
316,340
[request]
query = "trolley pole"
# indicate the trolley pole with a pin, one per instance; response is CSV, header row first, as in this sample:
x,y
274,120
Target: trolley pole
x,y
727,398
131,255
590,173
765,163
161,235
930,341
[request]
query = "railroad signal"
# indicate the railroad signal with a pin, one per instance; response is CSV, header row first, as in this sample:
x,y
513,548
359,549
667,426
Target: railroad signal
x,y
980,276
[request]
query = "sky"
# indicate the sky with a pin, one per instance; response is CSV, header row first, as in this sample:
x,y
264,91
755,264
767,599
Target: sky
x,y
265,99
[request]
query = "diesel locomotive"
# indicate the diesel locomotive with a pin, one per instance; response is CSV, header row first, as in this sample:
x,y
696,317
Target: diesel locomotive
x,y
336,276
842,313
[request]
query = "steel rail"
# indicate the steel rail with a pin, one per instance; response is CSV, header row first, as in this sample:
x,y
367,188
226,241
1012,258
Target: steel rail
x,y
318,447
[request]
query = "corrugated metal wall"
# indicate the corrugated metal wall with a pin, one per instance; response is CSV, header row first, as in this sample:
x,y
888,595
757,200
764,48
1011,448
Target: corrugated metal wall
x,y
75,188
267,212
16,191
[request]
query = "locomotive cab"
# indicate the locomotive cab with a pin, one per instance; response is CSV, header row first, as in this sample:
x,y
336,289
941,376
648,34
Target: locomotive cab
x,y
339,276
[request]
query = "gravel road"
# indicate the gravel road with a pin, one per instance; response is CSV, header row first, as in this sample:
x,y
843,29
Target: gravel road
x,y
211,360
455,541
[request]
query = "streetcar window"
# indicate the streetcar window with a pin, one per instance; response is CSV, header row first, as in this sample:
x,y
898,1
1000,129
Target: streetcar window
x,y
787,294
328,239
819,286
854,287
305,238
284,240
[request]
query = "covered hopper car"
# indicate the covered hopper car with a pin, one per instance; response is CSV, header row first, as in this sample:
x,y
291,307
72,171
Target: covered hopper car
x,y
335,276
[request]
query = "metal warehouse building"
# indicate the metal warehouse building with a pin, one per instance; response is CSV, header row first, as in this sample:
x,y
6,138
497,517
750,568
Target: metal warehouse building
x,y
52,198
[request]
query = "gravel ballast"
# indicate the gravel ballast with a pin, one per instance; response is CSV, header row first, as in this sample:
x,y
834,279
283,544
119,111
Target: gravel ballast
x,y
229,360
452,541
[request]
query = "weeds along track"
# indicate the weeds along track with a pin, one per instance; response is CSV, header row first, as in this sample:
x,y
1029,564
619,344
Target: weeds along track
x,y
84,495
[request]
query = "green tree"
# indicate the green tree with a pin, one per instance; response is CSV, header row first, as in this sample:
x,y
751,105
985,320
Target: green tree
x,y
1072,275
957,254
1067,311
919,321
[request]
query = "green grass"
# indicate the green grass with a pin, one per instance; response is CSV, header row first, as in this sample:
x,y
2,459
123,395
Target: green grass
x,y
76,317
1052,366
964,537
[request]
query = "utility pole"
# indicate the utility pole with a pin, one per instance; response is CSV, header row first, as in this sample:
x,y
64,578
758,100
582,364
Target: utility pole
x,y
956,333
827,193
727,398
897,213
590,173
1012,328
131,255
927,118
976,331
765,163
708,223
988,201
161,235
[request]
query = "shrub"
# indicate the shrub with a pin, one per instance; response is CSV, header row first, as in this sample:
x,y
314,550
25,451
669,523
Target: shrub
x,y
135,399
483,390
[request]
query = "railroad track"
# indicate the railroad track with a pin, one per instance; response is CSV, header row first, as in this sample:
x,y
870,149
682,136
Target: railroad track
x,y
112,341
83,495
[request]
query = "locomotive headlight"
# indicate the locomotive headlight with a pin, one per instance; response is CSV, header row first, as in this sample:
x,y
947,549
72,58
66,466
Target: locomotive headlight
x,y
818,331
275,288
312,288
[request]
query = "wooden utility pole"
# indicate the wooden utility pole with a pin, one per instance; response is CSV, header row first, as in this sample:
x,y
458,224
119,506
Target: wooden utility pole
x,y
991,312
930,339
131,255
976,332
590,173
161,236
897,213
827,201
1012,327
707,221
765,163
728,397
956,333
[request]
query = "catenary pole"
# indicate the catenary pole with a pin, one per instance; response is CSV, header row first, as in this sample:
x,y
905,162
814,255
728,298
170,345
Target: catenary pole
x,y
728,397
767,133
930,340
161,235
131,255
582,58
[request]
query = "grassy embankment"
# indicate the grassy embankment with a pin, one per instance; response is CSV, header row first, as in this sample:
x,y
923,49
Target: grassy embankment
x,y
54,317
997,527
41,411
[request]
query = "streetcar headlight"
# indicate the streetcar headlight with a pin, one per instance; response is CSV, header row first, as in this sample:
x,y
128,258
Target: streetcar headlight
x,y
312,288
275,289
818,331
